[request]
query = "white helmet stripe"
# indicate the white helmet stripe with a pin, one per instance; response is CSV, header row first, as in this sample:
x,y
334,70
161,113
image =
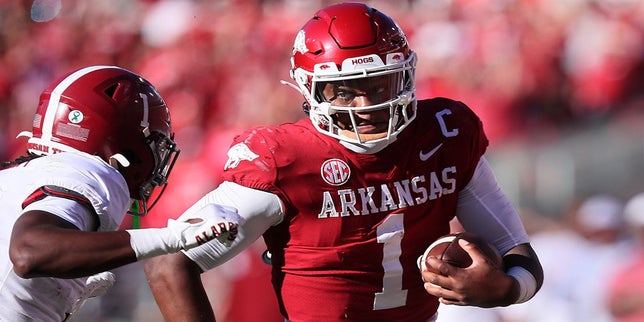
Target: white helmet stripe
x,y
144,121
54,100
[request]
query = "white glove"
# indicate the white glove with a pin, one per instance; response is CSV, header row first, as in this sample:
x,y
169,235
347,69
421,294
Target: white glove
x,y
98,284
216,222
95,285
210,222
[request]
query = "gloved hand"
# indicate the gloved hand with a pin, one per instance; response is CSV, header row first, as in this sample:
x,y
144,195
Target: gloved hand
x,y
95,285
211,222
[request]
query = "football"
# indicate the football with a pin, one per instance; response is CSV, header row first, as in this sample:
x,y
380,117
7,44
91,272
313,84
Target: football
x,y
446,248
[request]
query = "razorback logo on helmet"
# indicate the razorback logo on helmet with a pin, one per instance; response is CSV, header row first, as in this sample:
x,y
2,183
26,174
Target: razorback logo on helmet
x,y
335,172
300,43
395,57
326,68
238,153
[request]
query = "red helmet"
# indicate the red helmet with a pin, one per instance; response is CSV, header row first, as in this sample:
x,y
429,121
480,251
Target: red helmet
x,y
348,42
115,114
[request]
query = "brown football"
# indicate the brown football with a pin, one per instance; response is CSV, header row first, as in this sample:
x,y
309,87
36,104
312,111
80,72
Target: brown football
x,y
447,249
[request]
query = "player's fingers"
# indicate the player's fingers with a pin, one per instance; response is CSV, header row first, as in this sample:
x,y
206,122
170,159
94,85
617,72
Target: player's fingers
x,y
439,266
437,280
474,251
445,295
433,289
447,301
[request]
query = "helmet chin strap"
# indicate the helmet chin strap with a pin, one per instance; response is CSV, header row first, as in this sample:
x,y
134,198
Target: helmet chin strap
x,y
368,147
363,137
291,85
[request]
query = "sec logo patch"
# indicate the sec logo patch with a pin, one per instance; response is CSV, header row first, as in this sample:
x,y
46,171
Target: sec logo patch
x,y
335,172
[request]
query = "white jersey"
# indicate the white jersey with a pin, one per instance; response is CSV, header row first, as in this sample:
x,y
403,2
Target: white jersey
x,y
48,299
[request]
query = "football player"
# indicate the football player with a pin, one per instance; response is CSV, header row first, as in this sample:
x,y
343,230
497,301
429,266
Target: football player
x,y
101,145
349,198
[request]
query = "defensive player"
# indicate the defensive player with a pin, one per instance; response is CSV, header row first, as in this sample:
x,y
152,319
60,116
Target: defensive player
x,y
101,144
349,198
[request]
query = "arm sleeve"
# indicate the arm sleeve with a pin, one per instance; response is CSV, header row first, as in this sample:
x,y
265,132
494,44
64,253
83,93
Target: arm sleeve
x,y
484,209
260,210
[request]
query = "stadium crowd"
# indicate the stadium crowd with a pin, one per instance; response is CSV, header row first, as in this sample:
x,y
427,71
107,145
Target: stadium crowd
x,y
535,68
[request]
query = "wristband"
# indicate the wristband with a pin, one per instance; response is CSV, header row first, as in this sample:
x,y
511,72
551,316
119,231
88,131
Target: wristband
x,y
151,242
527,283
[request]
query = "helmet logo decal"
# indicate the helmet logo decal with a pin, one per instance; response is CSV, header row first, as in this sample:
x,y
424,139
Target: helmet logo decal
x,y
239,152
300,43
72,131
395,57
75,116
335,172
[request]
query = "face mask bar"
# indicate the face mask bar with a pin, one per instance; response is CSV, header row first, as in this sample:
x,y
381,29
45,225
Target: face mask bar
x,y
165,153
402,108
377,89
400,93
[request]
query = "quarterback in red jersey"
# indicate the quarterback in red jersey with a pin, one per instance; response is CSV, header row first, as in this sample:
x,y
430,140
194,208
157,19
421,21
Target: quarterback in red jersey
x,y
350,197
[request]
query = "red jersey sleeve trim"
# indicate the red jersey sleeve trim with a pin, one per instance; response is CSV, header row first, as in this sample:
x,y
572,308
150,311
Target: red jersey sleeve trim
x,y
60,192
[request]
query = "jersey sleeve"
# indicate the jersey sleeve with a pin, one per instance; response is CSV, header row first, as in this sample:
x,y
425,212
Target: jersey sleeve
x,y
251,162
90,180
70,210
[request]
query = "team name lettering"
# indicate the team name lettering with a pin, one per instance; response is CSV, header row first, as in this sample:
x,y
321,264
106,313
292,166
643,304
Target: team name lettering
x,y
388,196
359,61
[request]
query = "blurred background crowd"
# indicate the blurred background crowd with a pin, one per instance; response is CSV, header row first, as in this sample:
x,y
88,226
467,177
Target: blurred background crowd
x,y
559,86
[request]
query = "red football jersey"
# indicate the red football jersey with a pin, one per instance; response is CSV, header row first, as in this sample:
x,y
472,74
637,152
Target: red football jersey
x,y
355,224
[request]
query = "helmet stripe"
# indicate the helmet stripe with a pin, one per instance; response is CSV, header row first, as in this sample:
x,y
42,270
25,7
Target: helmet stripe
x,y
144,122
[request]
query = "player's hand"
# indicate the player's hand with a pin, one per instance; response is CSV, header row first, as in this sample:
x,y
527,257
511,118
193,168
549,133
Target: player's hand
x,y
95,285
98,284
482,284
214,222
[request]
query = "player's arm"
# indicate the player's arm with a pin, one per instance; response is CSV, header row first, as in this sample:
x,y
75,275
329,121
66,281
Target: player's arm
x,y
175,282
43,244
486,211
175,279
55,236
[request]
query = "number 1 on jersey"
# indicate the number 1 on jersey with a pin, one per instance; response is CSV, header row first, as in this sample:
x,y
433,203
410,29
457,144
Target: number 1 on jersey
x,y
390,233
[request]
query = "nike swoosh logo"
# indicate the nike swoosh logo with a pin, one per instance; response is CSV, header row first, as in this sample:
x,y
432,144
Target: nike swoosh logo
x,y
425,156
